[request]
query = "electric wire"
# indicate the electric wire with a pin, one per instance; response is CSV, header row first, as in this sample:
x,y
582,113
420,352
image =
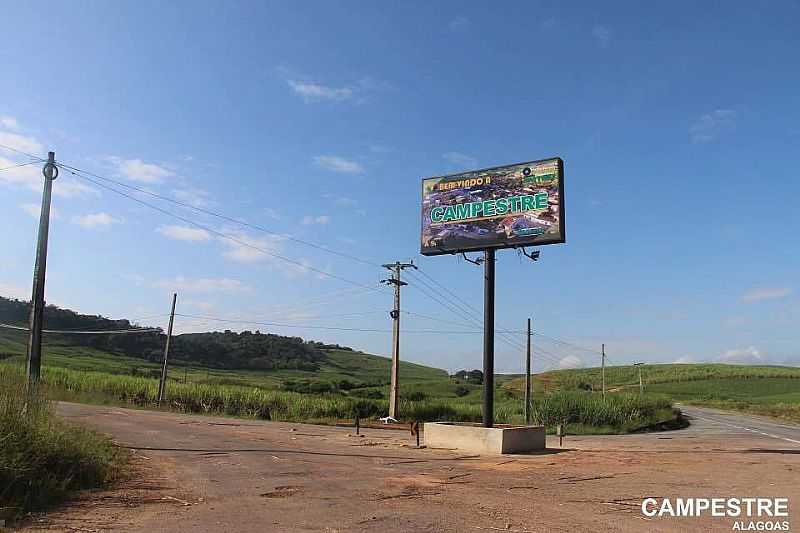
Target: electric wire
x,y
221,216
223,235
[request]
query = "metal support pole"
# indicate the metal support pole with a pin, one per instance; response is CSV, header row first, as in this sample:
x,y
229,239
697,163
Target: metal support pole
x,y
488,339
528,378
34,355
641,384
603,351
162,384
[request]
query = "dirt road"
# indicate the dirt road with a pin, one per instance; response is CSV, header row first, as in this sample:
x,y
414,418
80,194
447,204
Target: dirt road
x,y
204,474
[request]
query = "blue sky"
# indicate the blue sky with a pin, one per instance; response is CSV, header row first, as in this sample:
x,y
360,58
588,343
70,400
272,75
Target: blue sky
x,y
678,126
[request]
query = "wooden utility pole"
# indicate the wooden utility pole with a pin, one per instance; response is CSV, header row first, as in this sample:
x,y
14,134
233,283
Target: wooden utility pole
x,y
162,384
395,268
528,377
34,355
603,352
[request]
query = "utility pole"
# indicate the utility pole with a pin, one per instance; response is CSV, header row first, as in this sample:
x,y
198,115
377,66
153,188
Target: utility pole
x,y
396,268
641,384
162,384
528,378
34,356
603,351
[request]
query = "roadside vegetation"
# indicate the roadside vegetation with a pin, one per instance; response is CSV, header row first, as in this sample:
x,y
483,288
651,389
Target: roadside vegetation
x,y
585,412
756,389
42,459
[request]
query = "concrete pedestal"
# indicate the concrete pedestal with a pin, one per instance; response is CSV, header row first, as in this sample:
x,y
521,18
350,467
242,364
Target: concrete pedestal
x,y
485,441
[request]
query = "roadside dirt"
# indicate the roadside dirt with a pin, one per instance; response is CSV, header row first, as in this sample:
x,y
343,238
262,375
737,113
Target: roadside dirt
x,y
211,474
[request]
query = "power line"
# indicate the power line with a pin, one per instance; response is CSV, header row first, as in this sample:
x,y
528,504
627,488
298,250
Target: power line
x,y
74,332
311,326
221,234
19,165
36,157
224,217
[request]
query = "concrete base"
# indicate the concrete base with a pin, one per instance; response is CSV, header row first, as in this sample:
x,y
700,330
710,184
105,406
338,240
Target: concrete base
x,y
486,441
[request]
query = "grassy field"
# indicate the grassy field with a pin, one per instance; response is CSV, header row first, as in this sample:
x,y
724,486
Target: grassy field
x,y
764,390
43,460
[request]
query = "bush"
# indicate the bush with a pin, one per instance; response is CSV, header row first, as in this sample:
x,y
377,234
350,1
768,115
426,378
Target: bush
x,y
42,460
461,391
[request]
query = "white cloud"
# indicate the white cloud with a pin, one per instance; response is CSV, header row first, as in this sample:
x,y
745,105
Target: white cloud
x,y
749,355
766,293
320,219
9,122
272,213
21,143
184,233
193,196
30,177
138,170
315,92
685,360
341,201
35,210
9,290
570,361
95,220
183,284
458,24
460,160
249,249
709,126
602,35
198,304
339,164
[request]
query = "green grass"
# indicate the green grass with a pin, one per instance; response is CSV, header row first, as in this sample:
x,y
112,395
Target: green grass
x,y
43,460
764,390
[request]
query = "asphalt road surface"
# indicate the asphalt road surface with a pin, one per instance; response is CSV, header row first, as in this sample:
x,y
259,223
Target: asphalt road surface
x,y
203,474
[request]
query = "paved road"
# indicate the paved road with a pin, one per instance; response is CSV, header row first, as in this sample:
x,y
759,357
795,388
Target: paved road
x,y
208,474
713,421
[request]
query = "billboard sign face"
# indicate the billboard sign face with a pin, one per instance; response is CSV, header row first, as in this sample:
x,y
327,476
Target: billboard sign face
x,y
500,207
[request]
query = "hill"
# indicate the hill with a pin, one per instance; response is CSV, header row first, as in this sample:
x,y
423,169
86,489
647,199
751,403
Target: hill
x,y
257,358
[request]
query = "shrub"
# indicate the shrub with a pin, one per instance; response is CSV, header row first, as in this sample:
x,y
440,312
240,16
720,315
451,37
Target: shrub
x,y
42,460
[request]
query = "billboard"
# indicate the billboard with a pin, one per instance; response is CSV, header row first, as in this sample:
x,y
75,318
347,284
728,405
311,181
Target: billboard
x,y
500,207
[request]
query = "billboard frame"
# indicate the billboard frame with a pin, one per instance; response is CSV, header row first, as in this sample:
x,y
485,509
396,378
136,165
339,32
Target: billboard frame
x,y
501,245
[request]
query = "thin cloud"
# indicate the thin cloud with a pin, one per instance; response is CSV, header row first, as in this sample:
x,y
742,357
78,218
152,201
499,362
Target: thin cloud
x,y
138,170
9,122
315,92
340,201
202,285
339,164
35,211
711,125
309,220
570,361
460,160
602,35
459,23
9,290
184,233
766,293
249,249
193,196
749,355
95,220
21,143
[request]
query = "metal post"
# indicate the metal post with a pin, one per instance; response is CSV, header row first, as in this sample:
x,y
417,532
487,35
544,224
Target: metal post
x,y
34,355
488,339
393,393
528,378
162,385
603,351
